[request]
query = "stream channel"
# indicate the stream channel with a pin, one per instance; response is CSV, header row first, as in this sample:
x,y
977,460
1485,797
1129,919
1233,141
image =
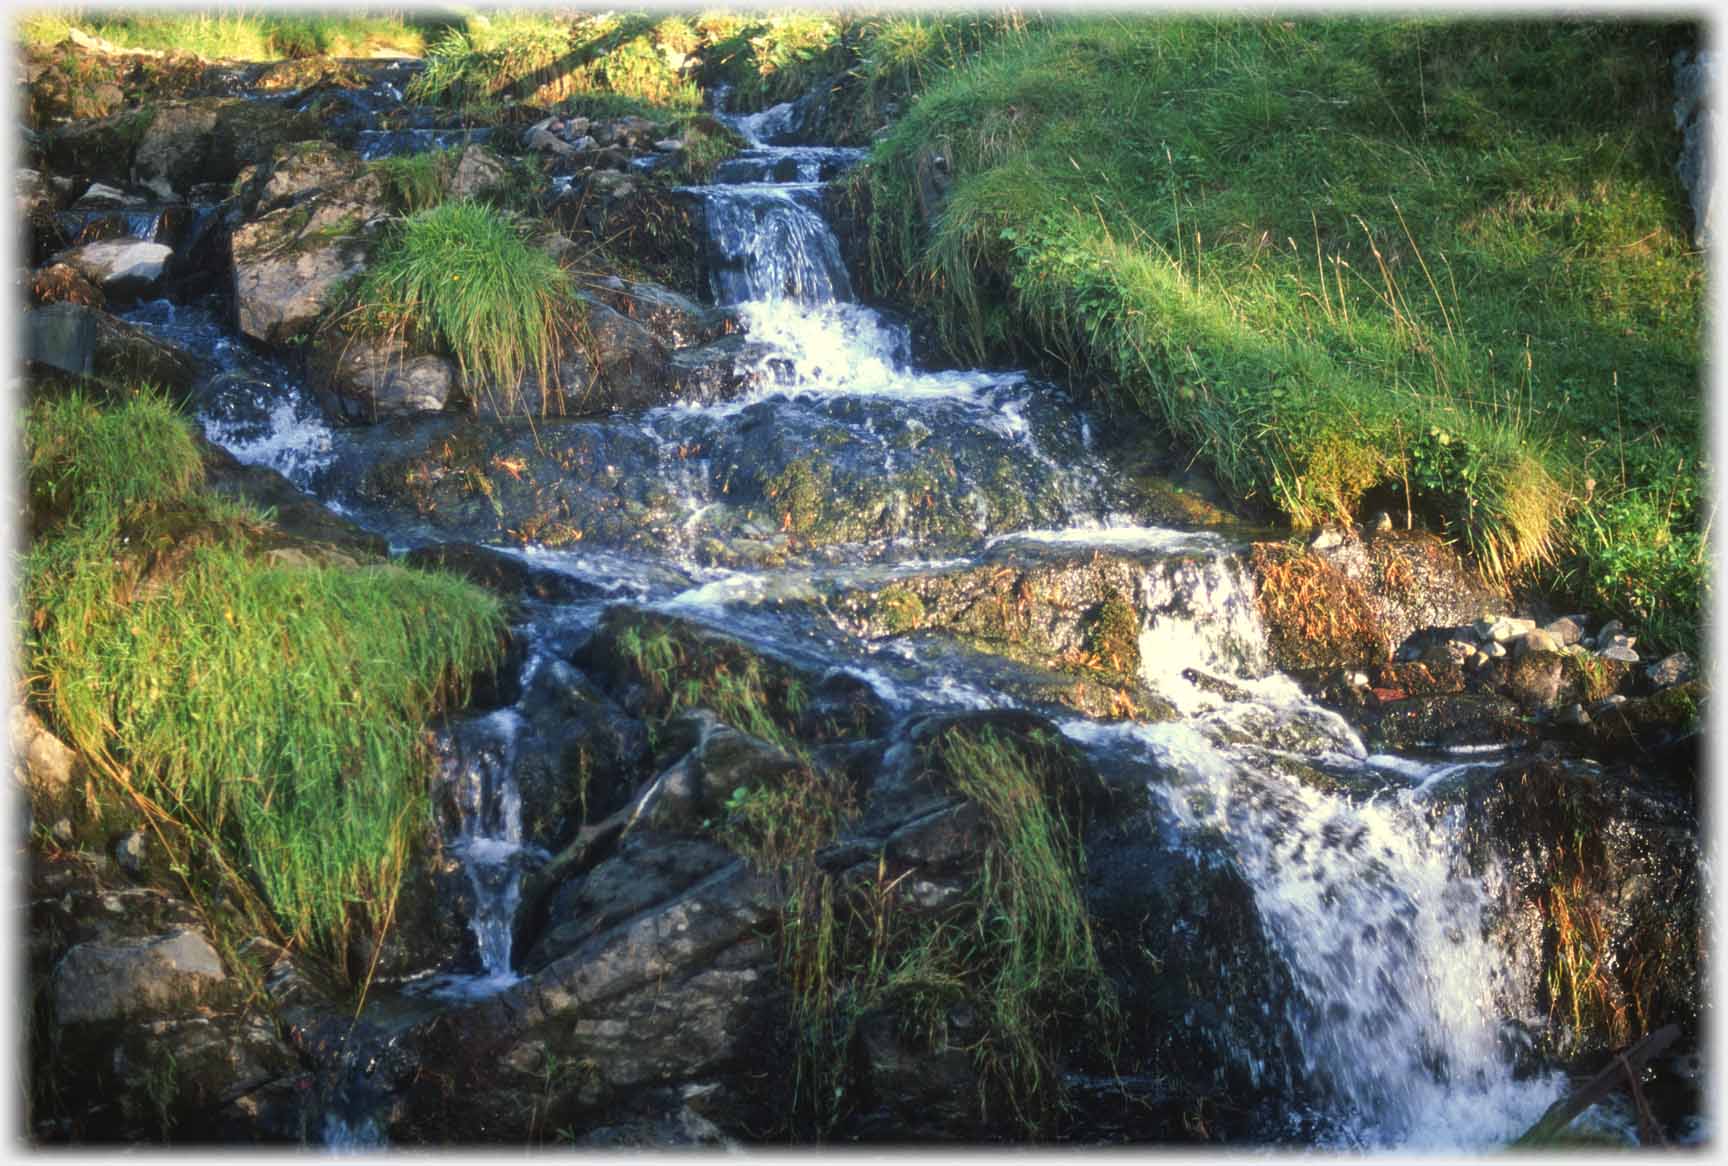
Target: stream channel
x,y
1399,1018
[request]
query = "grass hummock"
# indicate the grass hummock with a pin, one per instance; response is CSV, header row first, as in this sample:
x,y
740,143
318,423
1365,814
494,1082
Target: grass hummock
x,y
274,712
1441,267
460,276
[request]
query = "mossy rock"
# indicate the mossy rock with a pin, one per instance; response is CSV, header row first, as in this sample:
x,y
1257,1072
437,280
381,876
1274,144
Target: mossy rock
x,y
1315,615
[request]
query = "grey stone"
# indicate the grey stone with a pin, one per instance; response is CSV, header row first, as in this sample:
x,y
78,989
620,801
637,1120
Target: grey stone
x,y
62,336
1609,630
42,762
1619,651
1503,628
289,264
130,852
1566,630
1572,714
1494,649
98,981
101,196
1537,640
479,171
376,378
121,266
1326,538
1695,78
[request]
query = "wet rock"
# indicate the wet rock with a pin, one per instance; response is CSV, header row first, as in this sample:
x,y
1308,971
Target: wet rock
x,y
1674,669
297,170
1600,871
123,268
502,574
101,149
719,371
920,1093
648,869
298,516
366,379
579,757
673,319
625,366
1179,934
1445,722
212,139
679,991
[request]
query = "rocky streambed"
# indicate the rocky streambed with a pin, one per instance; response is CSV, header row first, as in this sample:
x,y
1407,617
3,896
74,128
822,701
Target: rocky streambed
x,y
886,752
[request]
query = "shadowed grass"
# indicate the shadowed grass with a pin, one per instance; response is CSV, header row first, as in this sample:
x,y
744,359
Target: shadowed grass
x,y
276,711
1341,260
460,275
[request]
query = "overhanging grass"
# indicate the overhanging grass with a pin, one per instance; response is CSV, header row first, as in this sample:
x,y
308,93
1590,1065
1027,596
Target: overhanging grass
x,y
461,275
1428,265
276,711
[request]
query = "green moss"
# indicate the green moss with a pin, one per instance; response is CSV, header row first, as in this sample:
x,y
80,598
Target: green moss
x,y
1113,634
276,713
900,609
801,496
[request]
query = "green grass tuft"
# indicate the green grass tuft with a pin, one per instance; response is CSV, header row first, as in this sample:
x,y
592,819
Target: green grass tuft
x,y
461,275
275,711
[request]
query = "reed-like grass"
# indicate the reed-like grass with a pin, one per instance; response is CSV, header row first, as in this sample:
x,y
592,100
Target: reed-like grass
x,y
276,712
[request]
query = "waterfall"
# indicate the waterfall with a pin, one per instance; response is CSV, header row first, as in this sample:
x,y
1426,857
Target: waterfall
x,y
1400,997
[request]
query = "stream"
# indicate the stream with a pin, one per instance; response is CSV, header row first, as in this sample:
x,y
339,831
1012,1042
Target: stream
x,y
1401,1008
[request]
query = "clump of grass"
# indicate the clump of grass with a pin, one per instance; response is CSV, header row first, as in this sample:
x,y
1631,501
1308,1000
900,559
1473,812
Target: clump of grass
x,y
707,143
485,62
417,182
460,275
1336,258
275,712
736,685
1025,953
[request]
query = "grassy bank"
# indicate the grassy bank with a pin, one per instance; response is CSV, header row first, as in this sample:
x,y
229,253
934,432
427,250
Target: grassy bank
x,y
272,710
233,33
1438,267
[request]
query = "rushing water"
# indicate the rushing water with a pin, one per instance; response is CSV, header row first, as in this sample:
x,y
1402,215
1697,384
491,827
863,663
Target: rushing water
x,y
1399,1000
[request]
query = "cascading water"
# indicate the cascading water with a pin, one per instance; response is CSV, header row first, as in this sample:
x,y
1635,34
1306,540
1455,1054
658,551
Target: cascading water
x,y
1399,999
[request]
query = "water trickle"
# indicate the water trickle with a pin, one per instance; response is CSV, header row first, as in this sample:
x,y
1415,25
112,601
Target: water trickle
x,y
480,774
770,242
